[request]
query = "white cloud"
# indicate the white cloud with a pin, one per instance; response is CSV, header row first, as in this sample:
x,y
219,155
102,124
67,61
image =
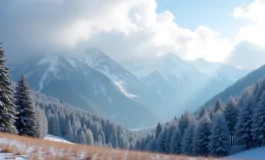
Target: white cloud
x,y
254,31
121,28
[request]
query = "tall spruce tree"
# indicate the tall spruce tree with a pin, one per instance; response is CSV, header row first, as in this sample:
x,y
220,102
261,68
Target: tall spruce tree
x,y
231,113
184,121
219,143
26,122
175,143
201,113
218,106
7,107
258,127
187,140
245,121
158,130
202,136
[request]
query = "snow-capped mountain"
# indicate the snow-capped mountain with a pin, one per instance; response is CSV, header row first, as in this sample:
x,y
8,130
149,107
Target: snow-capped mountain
x,y
94,82
219,70
182,85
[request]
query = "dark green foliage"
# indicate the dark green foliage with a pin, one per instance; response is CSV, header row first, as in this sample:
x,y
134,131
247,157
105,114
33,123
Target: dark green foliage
x,y
26,122
7,107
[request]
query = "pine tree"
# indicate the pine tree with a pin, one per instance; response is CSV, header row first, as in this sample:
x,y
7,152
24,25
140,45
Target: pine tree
x,y
7,107
82,138
158,129
218,106
42,124
202,135
244,123
258,127
201,113
26,122
56,126
219,139
168,138
162,140
187,140
175,143
70,134
231,113
184,121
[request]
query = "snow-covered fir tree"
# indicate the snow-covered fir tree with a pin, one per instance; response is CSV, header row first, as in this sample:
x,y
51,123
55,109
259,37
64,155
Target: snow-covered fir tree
x,y
258,126
218,106
26,122
245,120
7,107
219,139
175,143
42,123
231,113
202,135
169,136
201,113
158,130
187,140
162,141
184,121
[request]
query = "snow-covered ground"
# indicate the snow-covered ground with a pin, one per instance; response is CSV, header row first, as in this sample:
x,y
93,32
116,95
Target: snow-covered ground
x,y
56,139
252,154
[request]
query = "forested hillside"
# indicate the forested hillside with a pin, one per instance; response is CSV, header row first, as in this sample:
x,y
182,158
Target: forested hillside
x,y
227,127
237,87
79,126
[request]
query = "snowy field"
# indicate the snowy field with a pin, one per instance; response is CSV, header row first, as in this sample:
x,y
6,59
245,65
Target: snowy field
x,y
252,154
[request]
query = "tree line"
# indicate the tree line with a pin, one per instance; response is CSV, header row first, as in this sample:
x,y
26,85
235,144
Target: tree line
x,y
217,131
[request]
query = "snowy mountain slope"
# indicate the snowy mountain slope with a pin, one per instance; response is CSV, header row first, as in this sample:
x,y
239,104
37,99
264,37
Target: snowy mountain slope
x,y
72,79
180,83
219,70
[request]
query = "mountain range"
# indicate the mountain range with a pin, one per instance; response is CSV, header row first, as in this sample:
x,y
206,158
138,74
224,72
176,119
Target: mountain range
x,y
136,93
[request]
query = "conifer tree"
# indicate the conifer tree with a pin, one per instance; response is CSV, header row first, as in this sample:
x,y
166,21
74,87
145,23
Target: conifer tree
x,y
218,106
219,139
202,135
175,143
42,124
158,130
162,140
168,138
184,121
187,140
231,114
258,127
26,122
201,113
244,123
7,107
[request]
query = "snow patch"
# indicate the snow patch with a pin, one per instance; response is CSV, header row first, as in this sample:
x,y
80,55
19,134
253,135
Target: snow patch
x,y
120,87
251,154
52,63
56,139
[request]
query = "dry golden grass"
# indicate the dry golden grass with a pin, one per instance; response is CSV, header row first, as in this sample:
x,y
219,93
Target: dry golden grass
x,y
51,149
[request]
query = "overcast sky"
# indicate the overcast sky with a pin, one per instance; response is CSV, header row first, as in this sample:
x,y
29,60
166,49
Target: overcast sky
x,y
224,31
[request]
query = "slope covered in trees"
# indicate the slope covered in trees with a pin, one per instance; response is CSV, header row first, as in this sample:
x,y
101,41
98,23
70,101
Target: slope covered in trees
x,y
216,131
237,87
